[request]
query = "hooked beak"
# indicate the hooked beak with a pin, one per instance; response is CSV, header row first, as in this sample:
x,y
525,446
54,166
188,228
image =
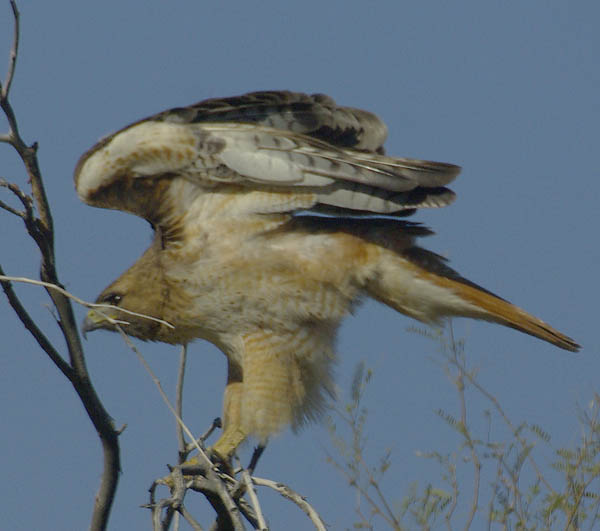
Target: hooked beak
x,y
93,321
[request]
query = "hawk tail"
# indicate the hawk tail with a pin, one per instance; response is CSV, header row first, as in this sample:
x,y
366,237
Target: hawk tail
x,y
497,310
421,292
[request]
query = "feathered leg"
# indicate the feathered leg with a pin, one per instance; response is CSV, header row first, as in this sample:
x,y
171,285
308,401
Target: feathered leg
x,y
232,435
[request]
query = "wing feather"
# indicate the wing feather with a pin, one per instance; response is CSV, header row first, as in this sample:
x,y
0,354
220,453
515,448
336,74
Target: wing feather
x,y
269,140
316,115
247,150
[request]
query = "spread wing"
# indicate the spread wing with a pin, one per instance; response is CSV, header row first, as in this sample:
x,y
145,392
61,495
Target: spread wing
x,y
279,142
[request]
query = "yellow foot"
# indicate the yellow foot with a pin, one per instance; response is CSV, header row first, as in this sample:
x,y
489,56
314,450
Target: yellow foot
x,y
227,444
219,454
187,469
196,465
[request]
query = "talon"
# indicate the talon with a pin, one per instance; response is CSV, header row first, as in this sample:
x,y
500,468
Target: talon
x,y
189,469
221,463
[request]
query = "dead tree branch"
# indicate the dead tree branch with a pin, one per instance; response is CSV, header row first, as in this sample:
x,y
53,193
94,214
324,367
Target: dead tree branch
x,y
217,483
222,490
39,225
293,496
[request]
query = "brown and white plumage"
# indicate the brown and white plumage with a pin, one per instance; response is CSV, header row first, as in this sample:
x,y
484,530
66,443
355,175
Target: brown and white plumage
x,y
236,189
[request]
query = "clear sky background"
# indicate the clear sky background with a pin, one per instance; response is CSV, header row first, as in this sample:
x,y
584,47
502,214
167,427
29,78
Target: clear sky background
x,y
509,90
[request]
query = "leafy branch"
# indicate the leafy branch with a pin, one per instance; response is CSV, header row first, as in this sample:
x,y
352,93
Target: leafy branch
x,y
516,501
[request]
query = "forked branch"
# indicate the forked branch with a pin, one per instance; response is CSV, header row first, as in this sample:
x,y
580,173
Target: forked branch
x,y
37,218
223,490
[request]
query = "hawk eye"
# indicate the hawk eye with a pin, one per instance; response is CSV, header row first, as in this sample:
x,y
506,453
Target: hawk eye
x,y
112,298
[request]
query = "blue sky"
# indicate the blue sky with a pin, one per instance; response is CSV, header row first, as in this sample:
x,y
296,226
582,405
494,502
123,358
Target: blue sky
x,y
507,90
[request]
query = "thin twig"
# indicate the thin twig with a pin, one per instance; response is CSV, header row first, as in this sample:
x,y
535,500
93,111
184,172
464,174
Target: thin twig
x,y
14,52
8,208
160,389
582,486
390,517
62,291
461,365
262,524
460,384
455,492
42,232
353,474
216,424
173,505
190,519
504,416
25,199
34,330
223,493
383,500
356,483
293,496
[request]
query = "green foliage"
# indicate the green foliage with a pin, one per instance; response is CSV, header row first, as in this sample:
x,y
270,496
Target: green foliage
x,y
524,496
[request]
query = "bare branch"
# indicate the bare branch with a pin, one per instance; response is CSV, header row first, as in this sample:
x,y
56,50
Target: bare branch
x,y
42,232
211,482
214,487
216,423
8,208
25,199
221,490
260,520
174,505
27,214
211,476
163,395
190,519
293,496
34,330
13,133
82,302
12,62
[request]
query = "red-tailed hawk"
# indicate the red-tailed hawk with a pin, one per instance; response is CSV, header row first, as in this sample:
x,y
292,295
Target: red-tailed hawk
x,y
274,213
